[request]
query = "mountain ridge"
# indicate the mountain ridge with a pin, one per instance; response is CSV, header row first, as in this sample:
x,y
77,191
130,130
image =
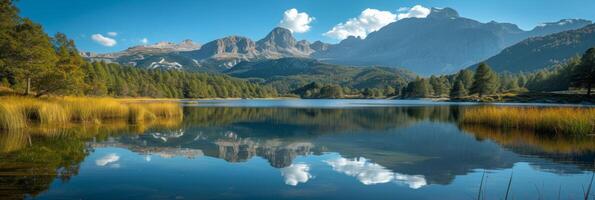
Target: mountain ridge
x,y
441,43
541,52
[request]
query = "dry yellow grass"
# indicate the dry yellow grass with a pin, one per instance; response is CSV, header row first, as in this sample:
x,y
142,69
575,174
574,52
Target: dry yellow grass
x,y
571,121
22,112
522,138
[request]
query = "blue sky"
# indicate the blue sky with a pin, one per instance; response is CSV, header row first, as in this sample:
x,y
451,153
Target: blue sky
x,y
205,20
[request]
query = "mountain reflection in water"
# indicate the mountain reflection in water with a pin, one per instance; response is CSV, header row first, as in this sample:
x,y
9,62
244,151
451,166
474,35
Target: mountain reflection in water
x,y
414,146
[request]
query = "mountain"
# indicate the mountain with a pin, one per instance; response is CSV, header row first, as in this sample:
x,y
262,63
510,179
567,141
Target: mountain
x,y
146,54
280,43
287,74
540,52
215,56
443,42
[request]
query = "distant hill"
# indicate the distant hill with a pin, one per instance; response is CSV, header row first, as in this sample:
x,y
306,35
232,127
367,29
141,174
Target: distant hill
x,y
287,74
443,42
540,52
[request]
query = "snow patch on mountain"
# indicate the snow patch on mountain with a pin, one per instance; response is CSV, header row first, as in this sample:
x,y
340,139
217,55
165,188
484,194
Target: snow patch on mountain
x,y
165,65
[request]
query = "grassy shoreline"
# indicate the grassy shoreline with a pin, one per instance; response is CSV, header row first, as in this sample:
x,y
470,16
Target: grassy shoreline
x,y
23,112
551,120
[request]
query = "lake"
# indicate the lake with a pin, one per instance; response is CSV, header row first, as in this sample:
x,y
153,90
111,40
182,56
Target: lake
x,y
296,149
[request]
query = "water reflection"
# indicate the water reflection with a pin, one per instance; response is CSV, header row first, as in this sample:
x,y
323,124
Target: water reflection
x,y
415,147
370,173
107,159
296,173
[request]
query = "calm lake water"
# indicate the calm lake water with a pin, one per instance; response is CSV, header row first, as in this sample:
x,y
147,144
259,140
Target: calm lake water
x,y
295,149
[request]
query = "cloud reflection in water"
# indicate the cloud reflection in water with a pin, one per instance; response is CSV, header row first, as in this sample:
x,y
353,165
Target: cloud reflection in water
x,y
370,173
296,173
107,159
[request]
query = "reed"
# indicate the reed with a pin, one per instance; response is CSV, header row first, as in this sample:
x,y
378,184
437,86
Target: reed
x,y
566,121
24,112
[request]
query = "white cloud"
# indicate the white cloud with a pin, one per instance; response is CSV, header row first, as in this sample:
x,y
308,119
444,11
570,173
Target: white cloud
x,y
107,159
296,173
370,173
368,21
105,41
144,41
298,22
371,20
113,34
416,11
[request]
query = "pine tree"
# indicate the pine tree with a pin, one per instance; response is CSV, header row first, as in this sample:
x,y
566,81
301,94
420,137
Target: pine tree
x,y
458,90
66,76
584,75
33,55
466,76
485,81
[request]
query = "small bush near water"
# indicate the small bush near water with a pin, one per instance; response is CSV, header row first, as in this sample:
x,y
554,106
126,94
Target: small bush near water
x,y
567,121
22,112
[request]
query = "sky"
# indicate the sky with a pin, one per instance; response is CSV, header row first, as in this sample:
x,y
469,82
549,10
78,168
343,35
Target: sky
x,y
114,25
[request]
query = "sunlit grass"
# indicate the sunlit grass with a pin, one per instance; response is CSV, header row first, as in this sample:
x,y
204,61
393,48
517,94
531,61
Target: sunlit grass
x,y
567,121
523,138
23,112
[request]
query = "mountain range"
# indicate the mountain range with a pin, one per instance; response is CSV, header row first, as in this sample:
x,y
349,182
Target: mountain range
x,y
443,42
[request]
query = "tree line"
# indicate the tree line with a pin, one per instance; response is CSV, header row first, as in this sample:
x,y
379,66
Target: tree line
x,y
33,63
577,73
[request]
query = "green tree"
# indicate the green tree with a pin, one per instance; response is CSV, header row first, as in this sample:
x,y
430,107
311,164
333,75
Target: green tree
x,y
458,90
8,21
331,92
485,81
33,55
466,76
418,88
584,75
66,76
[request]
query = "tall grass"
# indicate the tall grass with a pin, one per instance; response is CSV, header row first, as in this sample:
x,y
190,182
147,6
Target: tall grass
x,y
567,121
24,112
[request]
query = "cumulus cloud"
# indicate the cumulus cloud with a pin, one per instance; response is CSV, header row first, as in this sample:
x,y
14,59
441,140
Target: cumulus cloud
x,y
296,173
144,41
370,173
107,159
416,11
371,20
103,40
113,34
298,22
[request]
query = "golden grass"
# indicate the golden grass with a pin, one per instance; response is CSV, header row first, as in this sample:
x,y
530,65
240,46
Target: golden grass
x,y
523,138
23,112
567,121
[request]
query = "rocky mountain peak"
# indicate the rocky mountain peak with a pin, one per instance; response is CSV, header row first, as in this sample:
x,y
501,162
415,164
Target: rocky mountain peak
x,y
281,43
443,13
278,37
319,46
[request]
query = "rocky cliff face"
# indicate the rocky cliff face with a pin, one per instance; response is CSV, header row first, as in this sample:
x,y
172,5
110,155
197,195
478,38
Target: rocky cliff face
x,y
280,43
232,46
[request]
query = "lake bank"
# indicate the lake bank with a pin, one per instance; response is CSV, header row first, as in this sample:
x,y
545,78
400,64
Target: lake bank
x,y
23,112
